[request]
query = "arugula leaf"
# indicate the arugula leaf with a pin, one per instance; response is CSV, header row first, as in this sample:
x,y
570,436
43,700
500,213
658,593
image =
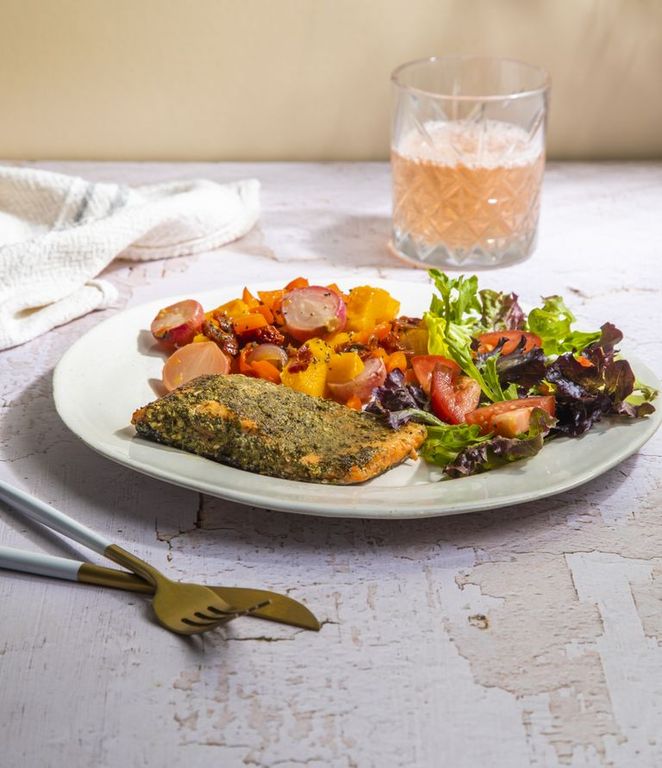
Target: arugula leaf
x,y
553,323
492,379
453,340
458,344
444,443
497,451
458,297
452,321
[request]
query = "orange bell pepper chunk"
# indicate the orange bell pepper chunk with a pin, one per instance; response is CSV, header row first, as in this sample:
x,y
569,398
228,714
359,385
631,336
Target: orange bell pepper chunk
x,y
382,330
266,313
396,360
244,366
271,299
298,282
354,403
266,370
249,323
248,298
333,287
380,353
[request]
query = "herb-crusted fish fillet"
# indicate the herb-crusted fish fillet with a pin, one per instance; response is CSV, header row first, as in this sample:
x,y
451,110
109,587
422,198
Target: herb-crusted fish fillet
x,y
273,430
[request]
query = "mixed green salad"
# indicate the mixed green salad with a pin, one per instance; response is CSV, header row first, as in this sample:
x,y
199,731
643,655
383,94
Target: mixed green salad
x,y
498,382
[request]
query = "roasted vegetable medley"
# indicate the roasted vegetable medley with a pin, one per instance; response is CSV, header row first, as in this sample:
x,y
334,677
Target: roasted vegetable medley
x,y
490,382
314,339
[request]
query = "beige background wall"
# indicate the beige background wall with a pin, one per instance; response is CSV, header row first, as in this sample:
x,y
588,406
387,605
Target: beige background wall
x,y
304,79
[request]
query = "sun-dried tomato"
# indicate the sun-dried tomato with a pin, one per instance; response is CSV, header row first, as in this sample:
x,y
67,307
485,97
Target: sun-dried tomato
x,y
303,359
405,323
220,331
395,340
266,334
392,343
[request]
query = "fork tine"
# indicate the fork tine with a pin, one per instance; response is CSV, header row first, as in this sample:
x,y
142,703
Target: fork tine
x,y
206,623
192,623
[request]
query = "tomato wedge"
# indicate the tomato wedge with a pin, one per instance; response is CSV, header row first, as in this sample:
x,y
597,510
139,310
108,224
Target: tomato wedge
x,y
423,366
484,417
512,423
452,396
191,361
488,341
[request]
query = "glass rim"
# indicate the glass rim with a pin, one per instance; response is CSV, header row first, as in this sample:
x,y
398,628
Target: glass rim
x,y
397,72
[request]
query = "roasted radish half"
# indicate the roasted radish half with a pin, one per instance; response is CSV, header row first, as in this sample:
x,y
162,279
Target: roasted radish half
x,y
178,324
313,311
191,361
362,386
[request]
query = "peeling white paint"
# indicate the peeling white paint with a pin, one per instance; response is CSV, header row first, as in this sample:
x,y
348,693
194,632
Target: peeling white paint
x,y
530,636
632,661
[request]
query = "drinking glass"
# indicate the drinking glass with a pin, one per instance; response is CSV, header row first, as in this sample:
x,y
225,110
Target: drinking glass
x,y
467,157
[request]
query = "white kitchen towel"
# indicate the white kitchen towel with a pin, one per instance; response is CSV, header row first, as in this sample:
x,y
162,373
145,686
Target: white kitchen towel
x,y
57,233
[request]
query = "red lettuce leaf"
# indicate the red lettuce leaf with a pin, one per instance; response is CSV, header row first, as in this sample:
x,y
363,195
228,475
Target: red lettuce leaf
x,y
586,393
397,402
500,311
526,369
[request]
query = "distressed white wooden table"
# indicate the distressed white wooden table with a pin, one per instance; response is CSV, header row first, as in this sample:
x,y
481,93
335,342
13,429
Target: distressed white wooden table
x,y
523,636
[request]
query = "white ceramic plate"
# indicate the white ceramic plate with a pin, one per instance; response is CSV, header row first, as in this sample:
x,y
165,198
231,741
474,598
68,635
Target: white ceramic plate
x,y
106,375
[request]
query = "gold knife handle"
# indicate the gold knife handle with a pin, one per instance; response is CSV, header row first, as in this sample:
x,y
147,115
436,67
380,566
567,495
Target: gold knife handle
x,y
109,577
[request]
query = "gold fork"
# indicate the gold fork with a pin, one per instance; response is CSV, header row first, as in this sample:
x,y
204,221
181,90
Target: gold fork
x,y
186,609
181,607
256,603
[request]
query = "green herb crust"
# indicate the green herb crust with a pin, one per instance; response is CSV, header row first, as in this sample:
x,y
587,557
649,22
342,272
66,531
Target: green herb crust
x,y
273,430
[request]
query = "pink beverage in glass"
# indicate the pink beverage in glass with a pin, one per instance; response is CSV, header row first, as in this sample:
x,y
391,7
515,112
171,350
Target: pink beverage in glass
x,y
466,181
